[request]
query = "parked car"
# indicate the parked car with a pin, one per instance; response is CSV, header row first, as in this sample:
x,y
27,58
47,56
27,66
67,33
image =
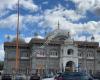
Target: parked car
x,y
57,76
20,77
6,77
48,76
34,77
73,76
96,75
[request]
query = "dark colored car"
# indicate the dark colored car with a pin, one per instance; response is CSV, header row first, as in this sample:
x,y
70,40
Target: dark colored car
x,y
97,76
34,77
73,76
48,76
6,77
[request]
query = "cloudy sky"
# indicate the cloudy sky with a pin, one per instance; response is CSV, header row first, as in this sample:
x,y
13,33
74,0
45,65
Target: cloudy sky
x,y
81,17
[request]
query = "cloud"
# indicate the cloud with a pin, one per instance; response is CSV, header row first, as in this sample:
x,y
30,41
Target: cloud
x,y
97,10
23,21
27,39
32,19
91,26
10,21
97,37
7,5
1,55
1,52
66,18
51,17
81,38
85,5
96,7
61,11
46,2
28,4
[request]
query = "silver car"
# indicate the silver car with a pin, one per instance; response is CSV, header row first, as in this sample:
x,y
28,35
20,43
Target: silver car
x,y
20,77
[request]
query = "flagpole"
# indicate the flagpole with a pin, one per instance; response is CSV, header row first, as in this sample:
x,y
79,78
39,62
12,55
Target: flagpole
x,y
17,40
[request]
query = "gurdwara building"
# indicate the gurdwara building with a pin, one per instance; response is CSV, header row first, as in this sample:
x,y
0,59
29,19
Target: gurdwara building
x,y
55,53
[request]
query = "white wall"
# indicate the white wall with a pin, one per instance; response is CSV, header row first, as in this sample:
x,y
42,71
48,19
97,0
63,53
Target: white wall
x,y
64,57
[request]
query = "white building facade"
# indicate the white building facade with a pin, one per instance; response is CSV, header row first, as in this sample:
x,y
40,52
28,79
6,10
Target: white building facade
x,y
56,53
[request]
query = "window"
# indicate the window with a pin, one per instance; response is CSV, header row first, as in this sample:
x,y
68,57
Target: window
x,y
80,54
98,62
53,53
70,51
56,53
40,52
24,53
11,55
62,50
89,54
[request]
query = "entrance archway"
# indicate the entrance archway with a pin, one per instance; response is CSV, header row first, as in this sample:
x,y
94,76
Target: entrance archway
x,y
70,66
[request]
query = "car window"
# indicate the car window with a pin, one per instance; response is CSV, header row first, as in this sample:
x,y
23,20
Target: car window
x,y
75,76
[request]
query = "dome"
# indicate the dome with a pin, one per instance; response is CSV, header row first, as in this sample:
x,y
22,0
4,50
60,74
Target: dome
x,y
21,40
37,36
59,34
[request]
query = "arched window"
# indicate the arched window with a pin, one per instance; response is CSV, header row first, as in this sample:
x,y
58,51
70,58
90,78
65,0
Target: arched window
x,y
70,51
70,66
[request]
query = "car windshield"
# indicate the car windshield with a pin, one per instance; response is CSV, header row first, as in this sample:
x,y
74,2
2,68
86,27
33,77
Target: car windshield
x,y
74,76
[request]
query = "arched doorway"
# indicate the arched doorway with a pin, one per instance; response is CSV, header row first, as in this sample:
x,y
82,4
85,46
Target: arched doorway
x,y
70,66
